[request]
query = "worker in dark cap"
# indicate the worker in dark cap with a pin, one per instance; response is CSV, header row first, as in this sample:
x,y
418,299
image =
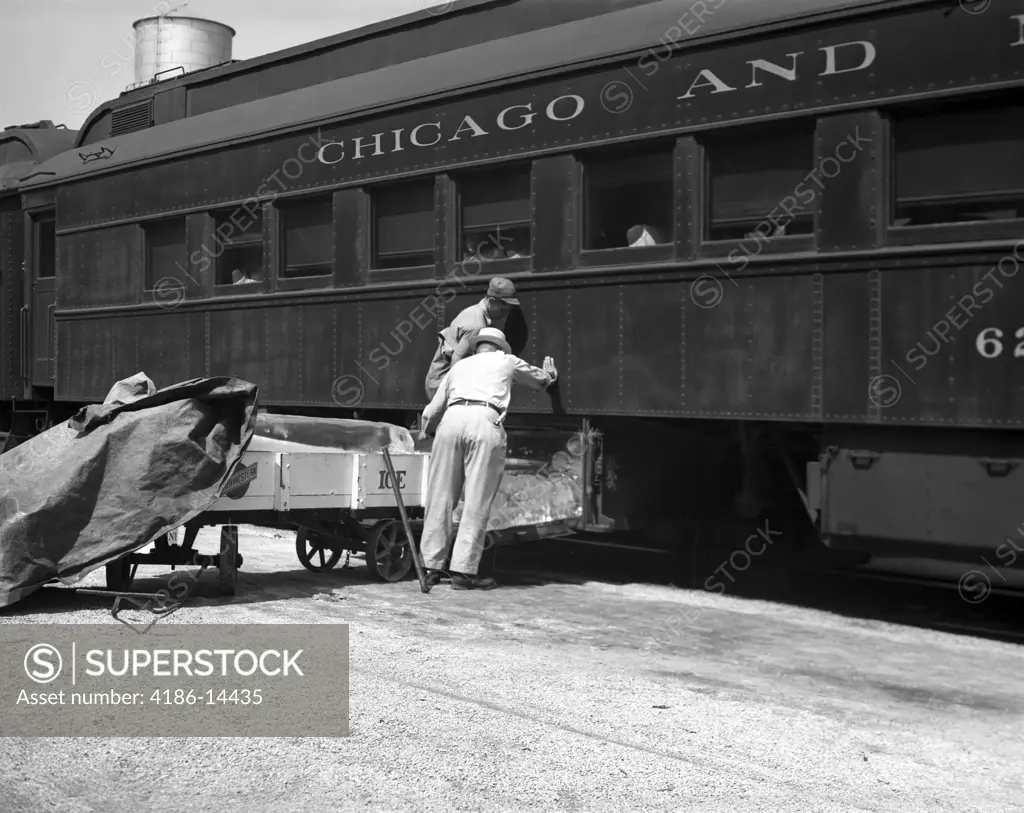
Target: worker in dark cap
x,y
452,345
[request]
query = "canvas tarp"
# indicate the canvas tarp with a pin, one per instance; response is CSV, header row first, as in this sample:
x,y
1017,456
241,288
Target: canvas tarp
x,y
116,476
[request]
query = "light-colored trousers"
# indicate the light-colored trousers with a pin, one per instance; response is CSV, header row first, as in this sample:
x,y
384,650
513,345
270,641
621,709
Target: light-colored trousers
x,y
468,450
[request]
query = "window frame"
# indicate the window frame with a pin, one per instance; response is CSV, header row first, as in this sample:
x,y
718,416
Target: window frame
x,y
149,284
627,255
496,267
707,248
249,239
313,281
46,216
938,233
405,272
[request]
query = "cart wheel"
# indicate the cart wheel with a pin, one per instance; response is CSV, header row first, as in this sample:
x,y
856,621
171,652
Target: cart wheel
x,y
315,553
228,566
388,555
119,575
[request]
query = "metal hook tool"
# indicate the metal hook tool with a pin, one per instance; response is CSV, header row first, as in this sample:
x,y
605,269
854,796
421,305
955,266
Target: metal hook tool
x,y
405,521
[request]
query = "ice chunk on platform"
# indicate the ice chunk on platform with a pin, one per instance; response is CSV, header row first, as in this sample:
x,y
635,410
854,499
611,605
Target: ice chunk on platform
x,y
531,498
346,435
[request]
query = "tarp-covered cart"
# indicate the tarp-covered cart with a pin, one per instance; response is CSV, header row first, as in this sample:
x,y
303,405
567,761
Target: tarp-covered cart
x,y
114,485
339,497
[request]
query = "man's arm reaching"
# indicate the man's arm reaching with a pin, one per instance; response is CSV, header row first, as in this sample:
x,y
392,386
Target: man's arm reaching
x,y
534,377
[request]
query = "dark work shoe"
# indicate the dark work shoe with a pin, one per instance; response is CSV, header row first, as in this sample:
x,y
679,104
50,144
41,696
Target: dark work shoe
x,y
434,577
460,581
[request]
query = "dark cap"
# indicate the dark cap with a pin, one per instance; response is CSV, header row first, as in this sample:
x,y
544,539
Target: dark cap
x,y
504,289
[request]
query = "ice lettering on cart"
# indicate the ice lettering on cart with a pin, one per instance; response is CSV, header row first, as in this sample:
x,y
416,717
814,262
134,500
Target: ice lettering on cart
x,y
385,479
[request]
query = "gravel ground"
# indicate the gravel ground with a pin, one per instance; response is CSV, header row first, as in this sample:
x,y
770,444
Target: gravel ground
x,y
552,695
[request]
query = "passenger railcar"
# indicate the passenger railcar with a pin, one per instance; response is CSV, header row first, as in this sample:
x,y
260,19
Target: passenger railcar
x,y
831,197
27,282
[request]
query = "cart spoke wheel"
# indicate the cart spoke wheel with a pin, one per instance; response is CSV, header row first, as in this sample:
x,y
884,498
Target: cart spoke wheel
x,y
389,557
315,552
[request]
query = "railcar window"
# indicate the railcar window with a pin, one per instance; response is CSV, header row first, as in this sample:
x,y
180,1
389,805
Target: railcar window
x,y
959,166
753,177
308,229
628,198
403,225
495,207
166,253
239,241
46,247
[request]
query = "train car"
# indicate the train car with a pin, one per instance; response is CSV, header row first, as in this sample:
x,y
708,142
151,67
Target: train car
x,y
756,237
27,241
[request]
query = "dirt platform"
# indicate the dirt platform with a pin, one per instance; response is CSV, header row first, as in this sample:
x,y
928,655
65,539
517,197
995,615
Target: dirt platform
x,y
562,696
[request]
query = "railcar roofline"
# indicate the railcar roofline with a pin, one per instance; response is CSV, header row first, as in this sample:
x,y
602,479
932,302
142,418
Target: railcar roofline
x,y
42,144
303,49
558,48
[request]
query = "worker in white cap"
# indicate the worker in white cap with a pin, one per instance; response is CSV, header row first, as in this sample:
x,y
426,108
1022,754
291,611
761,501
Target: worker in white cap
x,y
468,412
491,311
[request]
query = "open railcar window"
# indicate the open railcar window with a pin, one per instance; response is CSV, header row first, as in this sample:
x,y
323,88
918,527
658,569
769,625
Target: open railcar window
x,y
960,164
239,247
751,174
403,225
628,197
308,230
495,208
166,253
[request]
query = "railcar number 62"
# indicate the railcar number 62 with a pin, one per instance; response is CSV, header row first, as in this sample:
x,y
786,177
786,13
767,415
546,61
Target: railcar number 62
x,y
989,345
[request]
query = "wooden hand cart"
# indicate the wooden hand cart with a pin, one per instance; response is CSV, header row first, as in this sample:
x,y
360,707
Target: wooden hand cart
x,y
335,502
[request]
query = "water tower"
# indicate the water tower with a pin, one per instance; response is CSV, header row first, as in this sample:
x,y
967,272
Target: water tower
x,y
165,43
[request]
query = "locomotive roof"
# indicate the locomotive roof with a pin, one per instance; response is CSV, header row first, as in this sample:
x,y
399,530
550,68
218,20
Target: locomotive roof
x,y
41,142
559,47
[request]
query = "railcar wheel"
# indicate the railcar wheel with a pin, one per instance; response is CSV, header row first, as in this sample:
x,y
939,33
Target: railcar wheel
x,y
315,552
119,575
388,554
228,565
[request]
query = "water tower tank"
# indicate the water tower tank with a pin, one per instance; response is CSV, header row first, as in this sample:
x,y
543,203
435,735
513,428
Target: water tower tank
x,y
189,43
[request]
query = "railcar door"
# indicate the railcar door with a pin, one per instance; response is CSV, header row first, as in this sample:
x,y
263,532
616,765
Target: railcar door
x,y
42,301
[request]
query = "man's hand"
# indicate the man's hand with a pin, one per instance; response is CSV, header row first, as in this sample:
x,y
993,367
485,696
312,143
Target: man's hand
x,y
421,426
549,368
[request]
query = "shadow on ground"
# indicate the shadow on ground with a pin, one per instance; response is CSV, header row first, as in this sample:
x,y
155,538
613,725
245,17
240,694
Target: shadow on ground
x,y
783,578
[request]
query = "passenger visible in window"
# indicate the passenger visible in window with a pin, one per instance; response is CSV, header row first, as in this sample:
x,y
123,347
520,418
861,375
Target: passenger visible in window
x,y
492,247
239,277
778,231
644,235
473,247
511,248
